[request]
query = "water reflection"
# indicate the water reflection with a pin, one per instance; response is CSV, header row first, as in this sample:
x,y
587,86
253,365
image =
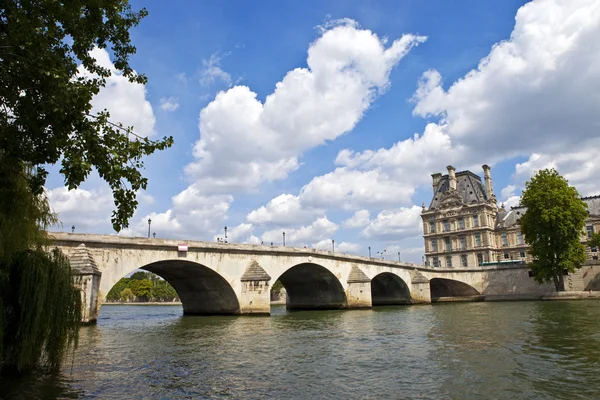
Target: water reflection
x,y
525,350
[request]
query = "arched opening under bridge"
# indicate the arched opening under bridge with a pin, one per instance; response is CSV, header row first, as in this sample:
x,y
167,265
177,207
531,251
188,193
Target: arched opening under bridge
x,y
312,287
202,291
451,290
389,289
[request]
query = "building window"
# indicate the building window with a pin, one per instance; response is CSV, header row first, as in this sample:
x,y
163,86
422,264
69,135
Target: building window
x,y
449,261
594,249
446,226
463,260
461,223
436,262
463,243
590,230
504,239
477,240
434,245
475,221
479,258
522,254
431,227
448,244
506,256
520,238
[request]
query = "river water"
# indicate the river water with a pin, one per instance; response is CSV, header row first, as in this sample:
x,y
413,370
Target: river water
x,y
515,350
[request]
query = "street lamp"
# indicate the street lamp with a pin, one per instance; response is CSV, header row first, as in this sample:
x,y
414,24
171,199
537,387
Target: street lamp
x,y
73,229
398,256
332,245
369,251
149,223
154,235
225,234
283,239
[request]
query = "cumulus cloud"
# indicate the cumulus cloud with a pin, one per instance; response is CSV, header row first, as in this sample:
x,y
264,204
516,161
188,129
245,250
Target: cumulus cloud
x,y
169,103
283,210
244,142
126,101
358,219
193,215
320,229
397,225
341,247
87,210
531,93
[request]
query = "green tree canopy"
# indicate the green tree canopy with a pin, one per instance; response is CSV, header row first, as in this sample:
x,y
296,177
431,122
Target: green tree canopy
x,y
46,112
553,226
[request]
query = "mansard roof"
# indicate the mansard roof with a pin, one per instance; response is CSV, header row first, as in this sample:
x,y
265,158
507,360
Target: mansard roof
x,y
510,218
468,186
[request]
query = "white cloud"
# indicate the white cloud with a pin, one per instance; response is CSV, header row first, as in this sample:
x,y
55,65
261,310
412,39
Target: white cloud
x,y
283,210
193,216
87,210
532,93
241,233
397,225
320,229
211,71
358,219
341,247
245,142
126,101
169,103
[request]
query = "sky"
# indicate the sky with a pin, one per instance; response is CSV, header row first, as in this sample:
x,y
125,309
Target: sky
x,y
325,120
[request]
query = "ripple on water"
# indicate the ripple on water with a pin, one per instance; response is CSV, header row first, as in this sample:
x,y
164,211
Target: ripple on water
x,y
524,350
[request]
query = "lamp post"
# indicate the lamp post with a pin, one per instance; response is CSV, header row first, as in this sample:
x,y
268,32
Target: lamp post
x,y
398,256
154,235
73,229
225,234
149,223
333,245
283,239
369,251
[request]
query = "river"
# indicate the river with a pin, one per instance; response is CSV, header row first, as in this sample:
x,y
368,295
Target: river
x,y
512,350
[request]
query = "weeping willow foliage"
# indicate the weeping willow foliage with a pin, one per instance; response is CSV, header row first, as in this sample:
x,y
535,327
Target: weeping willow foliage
x,y
40,309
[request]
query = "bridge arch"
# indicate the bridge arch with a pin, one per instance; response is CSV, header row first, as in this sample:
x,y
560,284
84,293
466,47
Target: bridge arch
x,y
446,288
311,286
201,290
389,289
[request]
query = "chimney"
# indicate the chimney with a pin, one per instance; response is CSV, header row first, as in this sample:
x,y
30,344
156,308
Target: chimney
x,y
451,177
437,177
487,176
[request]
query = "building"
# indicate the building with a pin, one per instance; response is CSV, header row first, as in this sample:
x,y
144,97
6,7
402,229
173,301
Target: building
x,y
464,227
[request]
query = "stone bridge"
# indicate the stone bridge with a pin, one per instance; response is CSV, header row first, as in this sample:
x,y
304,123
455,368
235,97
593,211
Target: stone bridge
x,y
227,278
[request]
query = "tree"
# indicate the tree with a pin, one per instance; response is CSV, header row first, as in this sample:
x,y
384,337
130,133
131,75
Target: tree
x,y
142,289
594,240
45,104
45,117
126,295
552,226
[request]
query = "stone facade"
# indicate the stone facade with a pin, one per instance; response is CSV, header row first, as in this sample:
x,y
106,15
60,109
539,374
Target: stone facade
x,y
463,226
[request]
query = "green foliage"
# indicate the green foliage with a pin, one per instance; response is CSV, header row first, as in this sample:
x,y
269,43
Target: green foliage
x,y
127,295
45,110
41,309
553,226
594,240
145,286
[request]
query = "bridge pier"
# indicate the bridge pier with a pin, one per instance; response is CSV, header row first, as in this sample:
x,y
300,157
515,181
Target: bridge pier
x,y
358,293
421,290
256,291
86,277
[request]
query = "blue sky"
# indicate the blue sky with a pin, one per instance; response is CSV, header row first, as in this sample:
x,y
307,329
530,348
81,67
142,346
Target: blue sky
x,y
270,139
